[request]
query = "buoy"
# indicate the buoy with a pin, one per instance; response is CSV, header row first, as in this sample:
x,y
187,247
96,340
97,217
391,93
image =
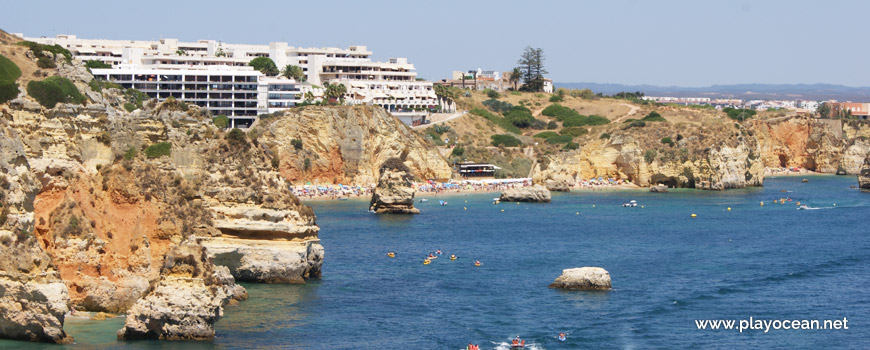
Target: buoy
x,y
835,204
578,213
502,210
593,205
452,257
466,201
518,203
693,215
464,208
641,207
762,204
729,208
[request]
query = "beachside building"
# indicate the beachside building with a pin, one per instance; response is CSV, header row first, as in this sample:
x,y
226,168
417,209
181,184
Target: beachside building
x,y
216,75
476,169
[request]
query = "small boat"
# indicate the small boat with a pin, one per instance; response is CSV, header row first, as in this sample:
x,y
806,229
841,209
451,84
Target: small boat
x,y
632,203
391,254
803,207
452,257
477,263
562,337
432,257
426,261
443,203
423,200
805,180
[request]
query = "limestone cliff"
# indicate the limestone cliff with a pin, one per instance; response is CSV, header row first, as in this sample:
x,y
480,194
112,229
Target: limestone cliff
x,y
187,301
346,145
718,167
33,299
821,145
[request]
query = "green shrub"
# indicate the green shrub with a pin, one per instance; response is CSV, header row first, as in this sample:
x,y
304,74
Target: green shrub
x,y
558,111
571,146
158,150
130,154
458,151
497,120
54,90
574,131
552,125
560,139
92,64
497,106
9,71
297,144
221,121
654,117
667,141
604,136
435,137
129,107
546,134
505,140
556,98
649,155
98,85
45,62
492,93
739,114
236,137
38,49
596,120
520,117
636,124
440,129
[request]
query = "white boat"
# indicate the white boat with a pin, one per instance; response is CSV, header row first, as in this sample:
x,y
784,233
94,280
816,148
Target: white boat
x,y
632,203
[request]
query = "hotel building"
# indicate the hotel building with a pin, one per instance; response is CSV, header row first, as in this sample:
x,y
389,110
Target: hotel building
x,y
216,75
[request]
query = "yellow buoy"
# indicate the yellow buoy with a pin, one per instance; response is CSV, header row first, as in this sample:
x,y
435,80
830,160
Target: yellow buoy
x,y
502,210
798,203
693,215
762,204
453,257
729,208
464,208
641,207
466,201
578,213
518,203
593,205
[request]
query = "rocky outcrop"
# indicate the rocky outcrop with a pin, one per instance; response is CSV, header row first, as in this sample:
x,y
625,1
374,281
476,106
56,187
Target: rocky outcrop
x,y
658,188
536,193
820,145
187,301
583,278
346,145
266,261
558,185
864,176
33,298
394,193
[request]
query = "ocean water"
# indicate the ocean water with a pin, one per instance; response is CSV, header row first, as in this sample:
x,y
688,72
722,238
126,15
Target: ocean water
x,y
668,270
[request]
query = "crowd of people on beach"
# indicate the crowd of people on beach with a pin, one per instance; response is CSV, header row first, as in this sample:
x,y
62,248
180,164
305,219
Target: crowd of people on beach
x,y
340,191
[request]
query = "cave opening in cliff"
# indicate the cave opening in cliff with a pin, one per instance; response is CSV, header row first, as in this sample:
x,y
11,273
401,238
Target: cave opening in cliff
x,y
669,181
783,161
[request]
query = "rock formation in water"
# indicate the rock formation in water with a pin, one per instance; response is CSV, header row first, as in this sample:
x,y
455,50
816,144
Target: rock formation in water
x,y
33,298
394,193
346,145
187,300
864,175
562,185
658,188
583,278
536,193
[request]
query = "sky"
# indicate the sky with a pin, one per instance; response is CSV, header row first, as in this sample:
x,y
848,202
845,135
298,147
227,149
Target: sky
x,y
668,43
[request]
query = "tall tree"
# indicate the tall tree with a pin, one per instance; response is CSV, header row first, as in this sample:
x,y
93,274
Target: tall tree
x,y
335,91
293,72
265,65
515,76
532,68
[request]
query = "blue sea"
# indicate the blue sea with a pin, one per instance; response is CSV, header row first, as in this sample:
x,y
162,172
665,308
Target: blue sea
x,y
668,269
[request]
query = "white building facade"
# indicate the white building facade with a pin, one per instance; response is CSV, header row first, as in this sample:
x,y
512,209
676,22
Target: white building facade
x,y
216,75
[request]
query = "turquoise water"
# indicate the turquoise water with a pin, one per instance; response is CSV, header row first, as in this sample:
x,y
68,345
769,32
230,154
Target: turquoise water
x,y
668,269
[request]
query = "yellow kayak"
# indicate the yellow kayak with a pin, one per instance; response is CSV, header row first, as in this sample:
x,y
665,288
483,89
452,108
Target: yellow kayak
x,y
426,262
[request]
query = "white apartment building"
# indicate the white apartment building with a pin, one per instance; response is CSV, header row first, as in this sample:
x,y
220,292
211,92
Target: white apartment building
x,y
216,75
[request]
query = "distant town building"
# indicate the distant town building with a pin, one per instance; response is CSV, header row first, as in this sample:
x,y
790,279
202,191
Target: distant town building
x,y
843,109
216,75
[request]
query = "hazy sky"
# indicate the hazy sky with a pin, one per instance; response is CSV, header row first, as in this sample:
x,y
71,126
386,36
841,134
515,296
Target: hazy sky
x,y
686,43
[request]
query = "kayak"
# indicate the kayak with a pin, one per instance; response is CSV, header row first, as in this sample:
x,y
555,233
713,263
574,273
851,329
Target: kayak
x,y
426,262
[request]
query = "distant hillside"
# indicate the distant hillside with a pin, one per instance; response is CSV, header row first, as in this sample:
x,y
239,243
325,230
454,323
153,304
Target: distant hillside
x,y
743,91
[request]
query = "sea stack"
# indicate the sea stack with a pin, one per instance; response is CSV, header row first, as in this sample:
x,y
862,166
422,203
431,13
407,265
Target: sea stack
x,y
187,301
536,193
864,175
394,193
583,278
